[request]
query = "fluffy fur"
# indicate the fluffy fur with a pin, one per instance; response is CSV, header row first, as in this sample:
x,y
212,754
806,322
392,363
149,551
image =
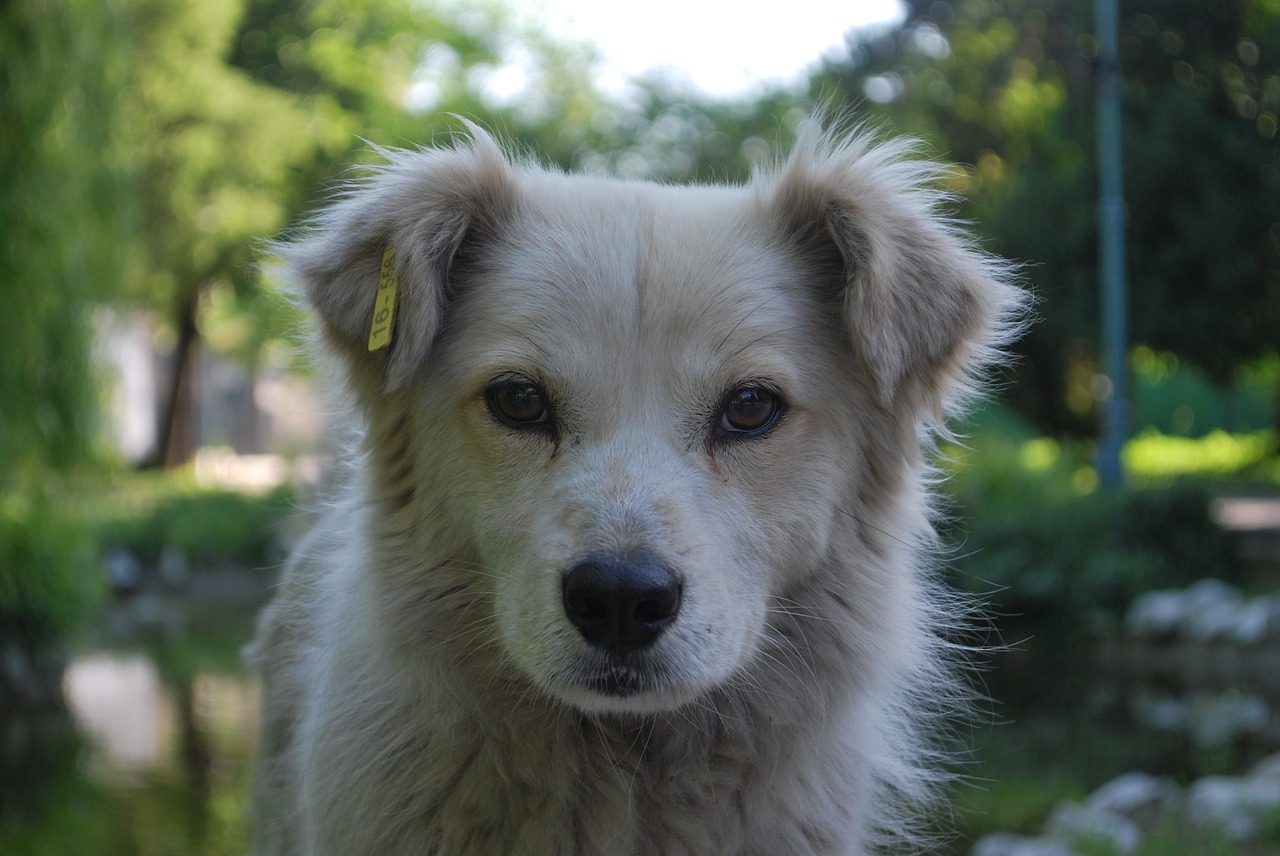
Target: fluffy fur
x,y
425,691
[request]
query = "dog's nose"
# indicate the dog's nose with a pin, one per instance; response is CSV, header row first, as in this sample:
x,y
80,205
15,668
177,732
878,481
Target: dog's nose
x,y
622,605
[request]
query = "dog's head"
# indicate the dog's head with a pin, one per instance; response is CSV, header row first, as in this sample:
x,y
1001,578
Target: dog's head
x,y
626,422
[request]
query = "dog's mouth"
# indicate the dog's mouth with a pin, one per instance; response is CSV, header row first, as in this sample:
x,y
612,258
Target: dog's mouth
x,y
608,683
617,679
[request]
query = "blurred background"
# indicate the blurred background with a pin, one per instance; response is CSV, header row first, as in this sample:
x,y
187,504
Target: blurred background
x,y
159,436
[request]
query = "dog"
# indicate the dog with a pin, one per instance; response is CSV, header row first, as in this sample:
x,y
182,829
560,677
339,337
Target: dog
x,y
632,554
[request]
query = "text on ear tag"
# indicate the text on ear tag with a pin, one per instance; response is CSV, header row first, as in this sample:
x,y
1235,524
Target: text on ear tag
x,y
384,308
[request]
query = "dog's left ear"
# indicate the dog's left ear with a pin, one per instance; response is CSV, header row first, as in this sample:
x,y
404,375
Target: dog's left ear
x,y
924,307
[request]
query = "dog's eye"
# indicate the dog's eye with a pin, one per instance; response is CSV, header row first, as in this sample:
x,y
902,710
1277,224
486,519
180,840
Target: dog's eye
x,y
749,411
518,403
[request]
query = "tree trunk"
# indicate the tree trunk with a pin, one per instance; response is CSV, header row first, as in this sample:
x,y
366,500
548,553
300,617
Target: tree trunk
x,y
1275,411
174,446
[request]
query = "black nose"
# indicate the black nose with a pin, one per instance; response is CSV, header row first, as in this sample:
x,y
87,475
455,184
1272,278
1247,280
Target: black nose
x,y
621,605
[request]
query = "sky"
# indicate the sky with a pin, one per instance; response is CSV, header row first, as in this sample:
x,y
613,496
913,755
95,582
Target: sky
x,y
724,48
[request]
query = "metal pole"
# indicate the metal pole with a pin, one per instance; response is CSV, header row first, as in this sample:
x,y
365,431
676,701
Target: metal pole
x,y
1111,220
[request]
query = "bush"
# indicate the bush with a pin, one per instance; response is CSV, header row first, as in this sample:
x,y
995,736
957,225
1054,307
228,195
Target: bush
x,y
1089,551
206,525
48,594
1029,523
52,539
46,590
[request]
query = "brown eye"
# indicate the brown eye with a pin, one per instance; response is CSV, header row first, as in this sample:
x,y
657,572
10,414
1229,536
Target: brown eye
x,y
749,411
518,403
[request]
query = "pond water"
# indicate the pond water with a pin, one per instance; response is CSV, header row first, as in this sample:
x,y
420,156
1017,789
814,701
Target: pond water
x,y
153,755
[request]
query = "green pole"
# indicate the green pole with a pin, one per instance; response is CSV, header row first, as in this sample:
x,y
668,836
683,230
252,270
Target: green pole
x,y
1111,268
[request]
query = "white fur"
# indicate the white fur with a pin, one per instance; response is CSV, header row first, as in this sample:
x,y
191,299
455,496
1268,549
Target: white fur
x,y
425,692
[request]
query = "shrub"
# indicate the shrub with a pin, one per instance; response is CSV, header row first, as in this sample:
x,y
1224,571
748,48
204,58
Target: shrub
x,y
1078,552
207,526
44,590
1030,528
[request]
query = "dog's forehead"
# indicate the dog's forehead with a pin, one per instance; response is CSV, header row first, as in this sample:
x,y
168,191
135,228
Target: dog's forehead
x,y
594,269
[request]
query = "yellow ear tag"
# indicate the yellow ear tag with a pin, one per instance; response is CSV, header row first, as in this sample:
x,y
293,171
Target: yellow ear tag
x,y
384,308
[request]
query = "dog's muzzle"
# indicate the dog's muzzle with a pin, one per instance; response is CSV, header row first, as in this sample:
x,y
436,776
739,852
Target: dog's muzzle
x,y
621,605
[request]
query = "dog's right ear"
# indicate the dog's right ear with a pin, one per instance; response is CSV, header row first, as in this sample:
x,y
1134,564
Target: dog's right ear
x,y
424,205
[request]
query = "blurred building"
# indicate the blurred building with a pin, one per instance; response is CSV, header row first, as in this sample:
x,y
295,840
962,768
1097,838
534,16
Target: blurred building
x,y
271,411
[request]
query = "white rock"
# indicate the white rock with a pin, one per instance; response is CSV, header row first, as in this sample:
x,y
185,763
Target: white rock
x,y
1210,620
1160,710
1257,621
1156,614
1209,591
123,570
1233,805
1212,609
1218,719
174,569
1076,824
1141,797
1008,844
1268,768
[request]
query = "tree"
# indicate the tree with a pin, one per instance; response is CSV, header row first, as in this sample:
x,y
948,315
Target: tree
x,y
211,153
1204,177
1007,88
671,132
398,73
65,214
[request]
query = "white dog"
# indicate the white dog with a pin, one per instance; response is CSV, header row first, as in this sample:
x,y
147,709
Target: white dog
x,y
631,555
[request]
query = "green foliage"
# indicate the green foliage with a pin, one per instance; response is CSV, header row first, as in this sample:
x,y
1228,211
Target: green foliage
x,y
63,221
45,592
1017,804
213,157
1007,88
1031,529
1032,760
148,512
1040,755
395,73
1177,399
1094,551
43,788
673,134
51,542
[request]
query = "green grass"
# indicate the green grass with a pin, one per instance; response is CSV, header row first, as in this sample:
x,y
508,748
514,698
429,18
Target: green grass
x,y
1154,457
